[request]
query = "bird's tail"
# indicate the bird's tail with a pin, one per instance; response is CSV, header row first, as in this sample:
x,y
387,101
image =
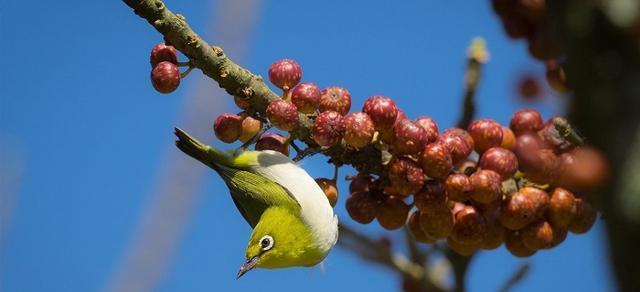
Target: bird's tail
x,y
206,154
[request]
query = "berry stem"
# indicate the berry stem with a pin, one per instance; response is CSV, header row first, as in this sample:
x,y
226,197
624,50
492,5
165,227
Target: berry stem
x,y
186,72
184,64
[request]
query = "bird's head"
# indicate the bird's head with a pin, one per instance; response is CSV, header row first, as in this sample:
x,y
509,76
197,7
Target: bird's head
x,y
281,239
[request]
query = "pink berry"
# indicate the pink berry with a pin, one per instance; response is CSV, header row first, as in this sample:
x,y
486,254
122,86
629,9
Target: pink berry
x,y
382,110
486,133
430,126
526,120
285,73
165,77
250,127
228,127
457,143
162,52
436,161
283,115
335,99
358,129
409,138
499,160
405,175
328,128
273,141
306,97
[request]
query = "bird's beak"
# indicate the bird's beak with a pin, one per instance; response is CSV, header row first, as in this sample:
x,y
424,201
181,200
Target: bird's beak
x,y
247,266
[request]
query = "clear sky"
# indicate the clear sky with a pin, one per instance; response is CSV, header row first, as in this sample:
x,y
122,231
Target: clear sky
x,y
83,136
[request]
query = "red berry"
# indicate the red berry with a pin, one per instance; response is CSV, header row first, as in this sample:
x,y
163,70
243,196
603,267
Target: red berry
x,y
457,140
162,52
416,231
358,129
486,186
486,133
283,115
559,235
392,213
538,235
514,244
518,211
382,110
360,183
528,87
508,139
165,77
405,175
495,233
584,169
458,187
306,97
436,160
409,138
250,127
273,141
335,99
329,188
228,127
539,164
463,249
584,219
430,126
526,121
328,128
361,207
285,73
500,160
431,196
562,208
437,223
470,226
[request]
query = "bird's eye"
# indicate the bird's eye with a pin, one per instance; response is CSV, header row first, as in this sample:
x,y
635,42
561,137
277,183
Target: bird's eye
x,y
266,243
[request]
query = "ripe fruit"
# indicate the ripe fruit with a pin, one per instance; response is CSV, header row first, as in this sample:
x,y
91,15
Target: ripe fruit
x,y
250,127
584,219
361,207
562,208
436,160
358,129
457,140
228,127
328,128
584,169
508,139
392,213
431,196
528,87
273,141
518,210
382,110
165,77
538,235
329,188
285,74
486,186
360,183
514,244
335,99
405,175
495,234
306,97
458,187
436,222
283,115
526,120
486,133
463,249
162,52
500,160
470,226
409,138
430,126
559,235
416,231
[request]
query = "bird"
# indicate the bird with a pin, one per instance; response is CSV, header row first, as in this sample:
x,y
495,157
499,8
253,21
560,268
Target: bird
x,y
293,222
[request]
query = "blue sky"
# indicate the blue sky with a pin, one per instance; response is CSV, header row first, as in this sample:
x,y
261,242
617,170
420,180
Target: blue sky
x,y
86,137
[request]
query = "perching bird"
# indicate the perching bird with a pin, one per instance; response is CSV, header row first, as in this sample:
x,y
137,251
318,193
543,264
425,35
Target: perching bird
x,y
292,220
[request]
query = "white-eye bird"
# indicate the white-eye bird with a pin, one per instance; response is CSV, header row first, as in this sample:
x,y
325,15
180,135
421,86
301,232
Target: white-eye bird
x,y
292,220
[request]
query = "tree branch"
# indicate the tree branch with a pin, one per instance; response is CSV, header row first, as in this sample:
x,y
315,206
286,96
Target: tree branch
x,y
476,56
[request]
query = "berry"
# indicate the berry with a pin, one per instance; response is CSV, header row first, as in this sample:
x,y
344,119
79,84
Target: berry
x,y
463,249
436,222
514,244
486,186
306,97
431,196
458,187
361,207
165,77
430,126
584,219
161,53
528,87
392,213
518,211
328,128
382,110
285,74
470,226
525,121
457,140
283,115
494,237
405,175
358,129
335,99
466,166
539,164
538,235
360,183
583,169
562,208
273,141
540,200
228,127
508,139
436,160
250,127
556,76
486,133
500,160
329,188
416,231
409,138
559,235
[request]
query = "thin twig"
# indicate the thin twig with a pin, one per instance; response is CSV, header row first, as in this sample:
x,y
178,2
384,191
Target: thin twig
x,y
477,56
516,277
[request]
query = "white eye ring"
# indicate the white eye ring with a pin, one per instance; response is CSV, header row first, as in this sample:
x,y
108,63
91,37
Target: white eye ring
x,y
266,243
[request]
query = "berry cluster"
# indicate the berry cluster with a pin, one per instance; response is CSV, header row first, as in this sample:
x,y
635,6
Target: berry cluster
x,y
526,19
165,76
475,188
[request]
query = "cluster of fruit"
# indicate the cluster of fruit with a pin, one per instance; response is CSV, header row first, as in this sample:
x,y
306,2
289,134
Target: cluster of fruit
x,y
165,76
526,19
